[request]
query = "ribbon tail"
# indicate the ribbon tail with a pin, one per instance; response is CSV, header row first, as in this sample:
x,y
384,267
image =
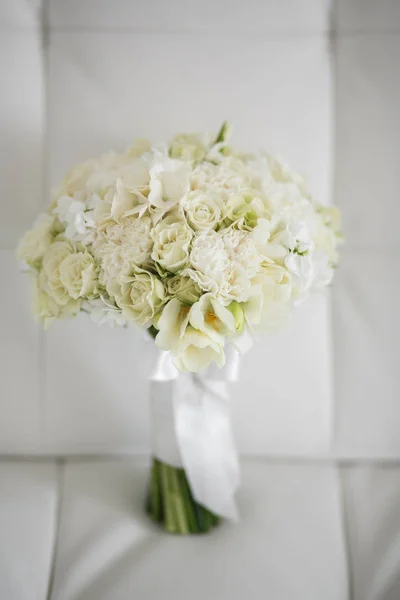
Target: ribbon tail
x,y
206,443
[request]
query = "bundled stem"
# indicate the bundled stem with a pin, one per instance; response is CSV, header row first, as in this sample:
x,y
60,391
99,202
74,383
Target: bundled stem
x,y
171,504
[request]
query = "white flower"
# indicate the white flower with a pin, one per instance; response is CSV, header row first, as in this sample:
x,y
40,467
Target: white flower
x,y
171,244
282,173
102,310
126,202
198,241
52,260
203,209
112,265
139,295
122,245
268,307
78,274
236,284
76,215
35,242
172,324
169,182
310,271
208,261
242,249
244,208
192,349
192,146
45,307
196,351
183,288
212,318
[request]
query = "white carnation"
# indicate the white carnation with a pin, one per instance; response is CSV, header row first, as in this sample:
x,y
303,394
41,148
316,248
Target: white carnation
x,y
209,261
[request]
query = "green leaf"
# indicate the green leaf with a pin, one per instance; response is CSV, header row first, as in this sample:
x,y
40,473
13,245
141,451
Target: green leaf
x,y
222,133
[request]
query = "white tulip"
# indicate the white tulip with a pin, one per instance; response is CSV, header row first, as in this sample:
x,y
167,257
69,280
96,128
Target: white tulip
x,y
196,351
172,324
212,318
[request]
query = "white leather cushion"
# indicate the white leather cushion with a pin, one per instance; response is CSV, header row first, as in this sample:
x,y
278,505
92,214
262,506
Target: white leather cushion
x,y
288,544
367,333
28,501
373,516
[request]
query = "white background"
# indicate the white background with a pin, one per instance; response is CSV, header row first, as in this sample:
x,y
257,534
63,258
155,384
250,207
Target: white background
x,y
319,84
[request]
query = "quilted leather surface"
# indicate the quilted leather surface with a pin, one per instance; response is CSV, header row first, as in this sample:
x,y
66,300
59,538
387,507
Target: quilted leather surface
x,y
318,404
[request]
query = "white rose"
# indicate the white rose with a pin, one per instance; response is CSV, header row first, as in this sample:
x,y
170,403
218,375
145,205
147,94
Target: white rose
x,y
139,295
169,182
183,288
78,274
52,260
244,209
35,242
203,210
44,306
171,244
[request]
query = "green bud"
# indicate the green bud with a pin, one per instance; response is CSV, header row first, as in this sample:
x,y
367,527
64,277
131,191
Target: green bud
x,y
238,314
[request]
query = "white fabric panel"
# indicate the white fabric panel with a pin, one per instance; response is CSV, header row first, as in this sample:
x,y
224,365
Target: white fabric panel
x,y
27,526
367,333
20,404
367,153
20,13
107,88
107,549
21,120
367,15
190,15
372,497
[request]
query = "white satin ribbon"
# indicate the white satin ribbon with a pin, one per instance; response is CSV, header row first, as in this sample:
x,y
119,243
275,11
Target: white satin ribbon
x,y
191,427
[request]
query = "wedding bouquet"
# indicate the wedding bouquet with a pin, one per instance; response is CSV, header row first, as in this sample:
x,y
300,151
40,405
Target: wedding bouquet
x,y
203,247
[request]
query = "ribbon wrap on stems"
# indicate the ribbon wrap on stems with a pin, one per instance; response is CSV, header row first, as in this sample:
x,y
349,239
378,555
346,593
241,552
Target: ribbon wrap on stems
x,y
191,428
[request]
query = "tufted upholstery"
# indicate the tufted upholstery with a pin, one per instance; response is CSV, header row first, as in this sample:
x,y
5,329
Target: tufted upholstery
x,y
317,410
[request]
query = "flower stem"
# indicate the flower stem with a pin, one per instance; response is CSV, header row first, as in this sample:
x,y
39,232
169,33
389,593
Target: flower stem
x,y
171,504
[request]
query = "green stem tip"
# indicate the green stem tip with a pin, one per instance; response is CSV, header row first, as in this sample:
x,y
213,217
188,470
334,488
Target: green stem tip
x,y
171,504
